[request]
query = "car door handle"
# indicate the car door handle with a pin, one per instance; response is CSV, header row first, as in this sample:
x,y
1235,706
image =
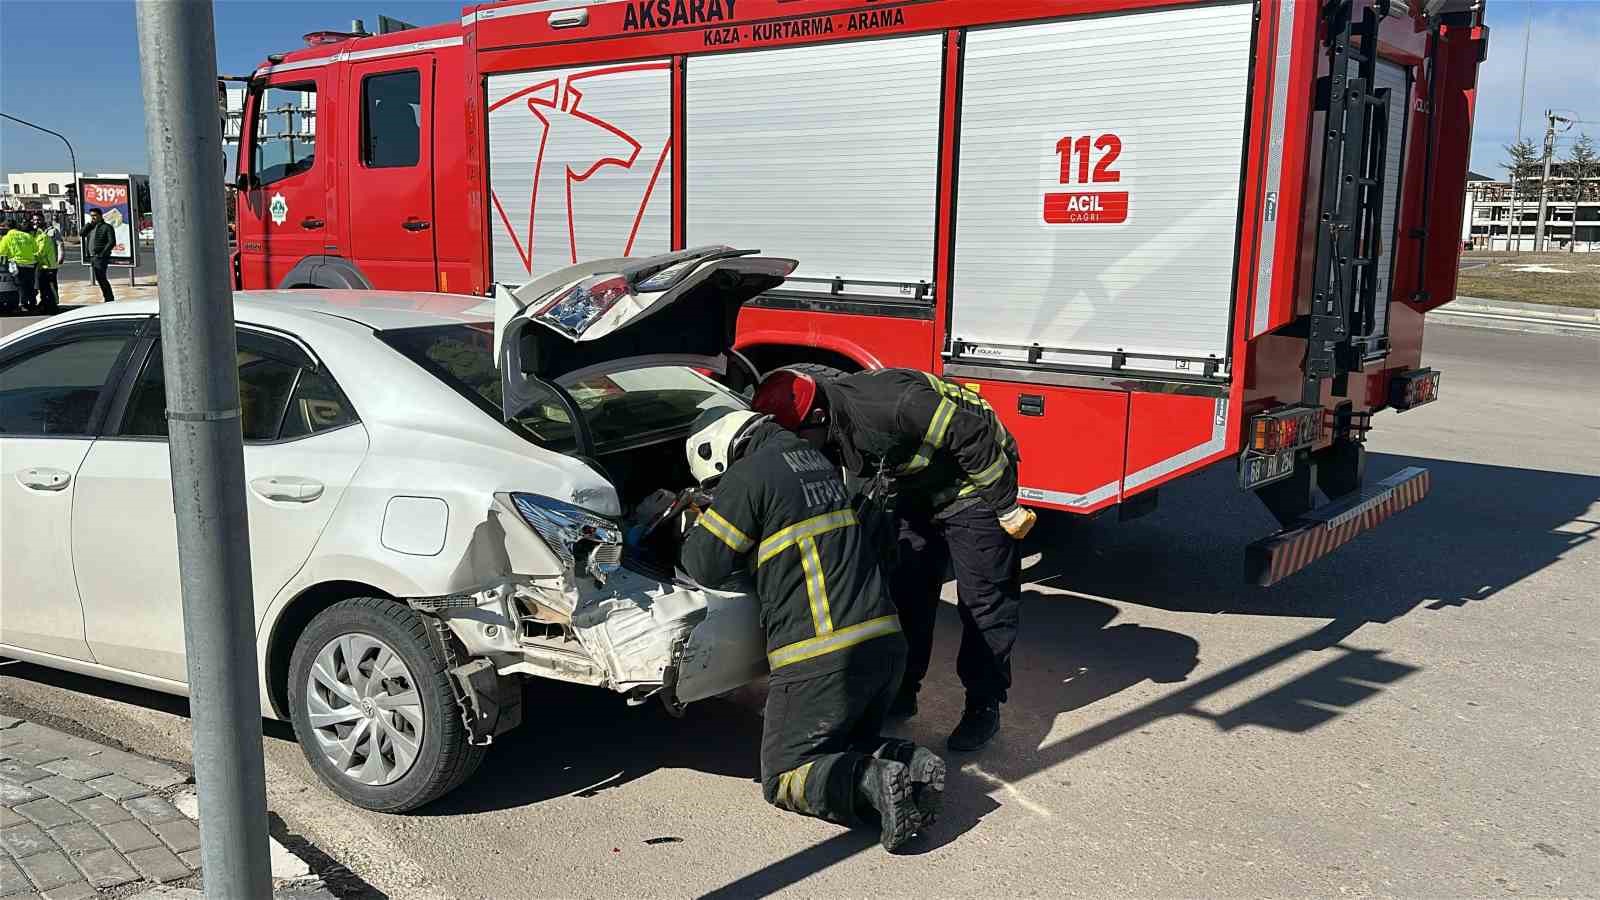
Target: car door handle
x,y
287,488
415,224
44,479
311,223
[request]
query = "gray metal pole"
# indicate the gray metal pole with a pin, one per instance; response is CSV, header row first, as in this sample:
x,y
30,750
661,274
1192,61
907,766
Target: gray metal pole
x,y
1544,183
178,65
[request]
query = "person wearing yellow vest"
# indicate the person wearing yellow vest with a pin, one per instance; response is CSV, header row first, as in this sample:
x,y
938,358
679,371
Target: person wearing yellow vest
x,y
49,263
20,251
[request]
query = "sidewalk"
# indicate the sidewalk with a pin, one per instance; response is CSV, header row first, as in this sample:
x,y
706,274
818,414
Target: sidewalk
x,y
1512,315
87,293
79,819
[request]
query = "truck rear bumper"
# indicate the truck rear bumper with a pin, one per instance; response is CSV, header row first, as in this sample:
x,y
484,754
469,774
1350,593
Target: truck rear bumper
x,y
1327,528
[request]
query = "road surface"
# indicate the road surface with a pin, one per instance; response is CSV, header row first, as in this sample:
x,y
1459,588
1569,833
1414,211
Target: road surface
x,y
1414,715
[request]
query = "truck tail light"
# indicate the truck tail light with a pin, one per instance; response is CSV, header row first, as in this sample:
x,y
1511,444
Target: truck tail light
x,y
1286,428
1412,389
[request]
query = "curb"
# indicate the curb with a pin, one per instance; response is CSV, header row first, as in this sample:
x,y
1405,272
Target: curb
x,y
1507,315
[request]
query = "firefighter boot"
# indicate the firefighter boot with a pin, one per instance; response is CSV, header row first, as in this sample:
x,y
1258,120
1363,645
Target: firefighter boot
x,y
904,705
884,788
927,776
978,725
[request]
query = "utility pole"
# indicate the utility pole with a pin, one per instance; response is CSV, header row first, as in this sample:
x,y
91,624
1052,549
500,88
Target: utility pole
x,y
1544,183
177,68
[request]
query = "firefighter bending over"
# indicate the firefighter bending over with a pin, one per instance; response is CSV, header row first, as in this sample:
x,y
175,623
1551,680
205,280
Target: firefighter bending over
x,y
954,469
833,639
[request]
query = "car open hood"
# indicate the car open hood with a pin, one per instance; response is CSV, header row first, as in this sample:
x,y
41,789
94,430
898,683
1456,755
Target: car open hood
x,y
584,320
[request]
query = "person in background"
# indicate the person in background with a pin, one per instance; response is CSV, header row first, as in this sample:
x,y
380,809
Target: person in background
x,y
21,255
8,284
47,239
99,240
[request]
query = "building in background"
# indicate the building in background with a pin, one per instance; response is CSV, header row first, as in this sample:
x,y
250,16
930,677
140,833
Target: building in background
x,y
46,192
1498,218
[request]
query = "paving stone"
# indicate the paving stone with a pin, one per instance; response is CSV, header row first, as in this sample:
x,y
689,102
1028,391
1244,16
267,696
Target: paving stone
x,y
130,835
49,870
47,812
106,868
158,864
191,858
33,755
9,817
26,840
101,810
180,835
117,787
14,794
79,837
146,772
18,772
77,769
64,789
150,810
7,722
12,881
78,890
51,739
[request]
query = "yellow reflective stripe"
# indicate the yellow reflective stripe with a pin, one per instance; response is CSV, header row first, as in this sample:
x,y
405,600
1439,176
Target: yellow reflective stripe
x,y
816,586
811,648
791,793
992,471
816,525
938,427
725,531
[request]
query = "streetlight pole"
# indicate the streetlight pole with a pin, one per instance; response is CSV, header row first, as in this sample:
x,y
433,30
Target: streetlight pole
x,y
177,68
76,204
1544,184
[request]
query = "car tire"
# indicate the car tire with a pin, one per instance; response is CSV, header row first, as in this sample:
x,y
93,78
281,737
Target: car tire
x,y
373,708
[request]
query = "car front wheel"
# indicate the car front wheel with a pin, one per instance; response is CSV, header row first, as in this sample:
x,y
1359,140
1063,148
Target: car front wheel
x,y
372,707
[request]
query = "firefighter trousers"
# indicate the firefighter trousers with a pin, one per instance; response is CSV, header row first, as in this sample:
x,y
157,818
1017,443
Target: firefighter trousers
x,y
988,570
819,733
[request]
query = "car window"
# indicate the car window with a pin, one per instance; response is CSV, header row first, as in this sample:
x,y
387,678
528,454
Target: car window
x,y
282,396
285,139
618,408
53,390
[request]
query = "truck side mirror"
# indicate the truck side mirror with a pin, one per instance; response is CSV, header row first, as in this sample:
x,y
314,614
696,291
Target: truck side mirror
x,y
242,182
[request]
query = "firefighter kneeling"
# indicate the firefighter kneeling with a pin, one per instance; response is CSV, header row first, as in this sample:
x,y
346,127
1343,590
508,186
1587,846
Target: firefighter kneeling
x,y
833,638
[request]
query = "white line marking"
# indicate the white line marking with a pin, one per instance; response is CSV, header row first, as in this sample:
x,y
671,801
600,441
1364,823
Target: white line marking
x,y
1010,789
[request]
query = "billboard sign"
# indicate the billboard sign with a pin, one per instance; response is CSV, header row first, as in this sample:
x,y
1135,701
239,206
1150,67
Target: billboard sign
x,y
115,198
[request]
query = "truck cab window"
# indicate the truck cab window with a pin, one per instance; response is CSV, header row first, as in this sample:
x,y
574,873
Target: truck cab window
x,y
391,119
285,139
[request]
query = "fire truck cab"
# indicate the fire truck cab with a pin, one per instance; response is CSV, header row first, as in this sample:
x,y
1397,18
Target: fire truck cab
x,y
1153,235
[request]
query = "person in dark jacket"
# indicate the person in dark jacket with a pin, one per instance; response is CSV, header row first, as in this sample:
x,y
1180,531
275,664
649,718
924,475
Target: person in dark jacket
x,y
833,640
954,468
99,241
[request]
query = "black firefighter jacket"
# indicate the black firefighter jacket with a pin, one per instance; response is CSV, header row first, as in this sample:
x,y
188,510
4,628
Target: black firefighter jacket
x,y
942,443
782,510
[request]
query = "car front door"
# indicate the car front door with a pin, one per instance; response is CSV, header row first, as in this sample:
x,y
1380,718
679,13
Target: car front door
x,y
55,387
391,178
303,444
285,219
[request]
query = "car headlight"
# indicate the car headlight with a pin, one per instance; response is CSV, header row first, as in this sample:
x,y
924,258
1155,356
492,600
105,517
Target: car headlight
x,y
584,541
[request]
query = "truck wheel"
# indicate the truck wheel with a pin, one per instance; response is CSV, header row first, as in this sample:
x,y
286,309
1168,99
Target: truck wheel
x,y
372,707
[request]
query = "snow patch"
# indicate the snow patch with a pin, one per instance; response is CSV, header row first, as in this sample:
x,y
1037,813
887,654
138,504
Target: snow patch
x,y
1542,270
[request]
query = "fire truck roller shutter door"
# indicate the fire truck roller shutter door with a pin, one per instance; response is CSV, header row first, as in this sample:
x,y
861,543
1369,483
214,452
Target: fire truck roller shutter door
x,y
1397,80
826,153
1098,187
579,166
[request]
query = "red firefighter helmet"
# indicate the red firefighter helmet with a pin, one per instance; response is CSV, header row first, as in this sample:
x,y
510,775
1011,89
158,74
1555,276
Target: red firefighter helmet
x,y
791,398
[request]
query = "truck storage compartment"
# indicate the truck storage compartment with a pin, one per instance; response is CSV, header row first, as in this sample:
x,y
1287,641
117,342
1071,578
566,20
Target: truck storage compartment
x,y
1097,190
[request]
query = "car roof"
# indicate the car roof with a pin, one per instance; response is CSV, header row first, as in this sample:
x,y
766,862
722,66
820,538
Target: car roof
x,y
378,310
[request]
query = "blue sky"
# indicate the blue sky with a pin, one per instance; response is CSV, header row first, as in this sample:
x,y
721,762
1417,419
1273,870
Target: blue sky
x,y
80,74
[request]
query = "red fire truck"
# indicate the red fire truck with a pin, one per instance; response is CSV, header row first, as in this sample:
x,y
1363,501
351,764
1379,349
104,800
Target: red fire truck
x,y
1153,235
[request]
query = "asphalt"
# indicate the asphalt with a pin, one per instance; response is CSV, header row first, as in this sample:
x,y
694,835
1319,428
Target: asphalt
x,y
1414,715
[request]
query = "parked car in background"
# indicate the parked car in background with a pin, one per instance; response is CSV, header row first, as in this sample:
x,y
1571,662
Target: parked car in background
x,y
426,529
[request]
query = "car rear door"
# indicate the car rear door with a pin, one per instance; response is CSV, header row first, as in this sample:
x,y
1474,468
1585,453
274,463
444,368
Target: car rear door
x,y
303,444
55,387
390,180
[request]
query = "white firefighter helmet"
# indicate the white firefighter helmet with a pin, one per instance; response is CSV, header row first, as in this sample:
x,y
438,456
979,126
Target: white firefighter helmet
x,y
716,439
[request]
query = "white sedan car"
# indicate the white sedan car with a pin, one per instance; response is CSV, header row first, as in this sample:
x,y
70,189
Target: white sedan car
x,y
427,527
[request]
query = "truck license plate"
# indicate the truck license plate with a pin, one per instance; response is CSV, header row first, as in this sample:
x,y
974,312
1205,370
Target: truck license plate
x,y
1255,471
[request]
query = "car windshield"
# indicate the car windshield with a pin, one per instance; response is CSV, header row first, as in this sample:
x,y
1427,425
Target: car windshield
x,y
620,409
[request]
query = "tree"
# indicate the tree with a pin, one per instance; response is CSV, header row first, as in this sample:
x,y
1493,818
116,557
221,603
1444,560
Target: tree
x,y
1524,163
1583,166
